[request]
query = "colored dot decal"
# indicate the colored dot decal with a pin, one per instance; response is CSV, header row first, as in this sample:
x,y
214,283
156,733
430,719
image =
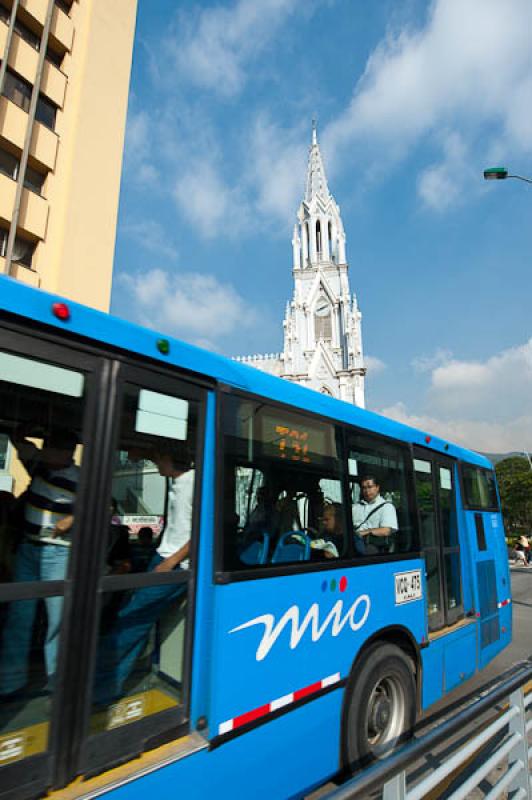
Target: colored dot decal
x,y
324,586
343,583
333,585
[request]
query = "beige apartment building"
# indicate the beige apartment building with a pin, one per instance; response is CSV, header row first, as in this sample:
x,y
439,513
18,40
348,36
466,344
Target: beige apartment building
x,y
64,80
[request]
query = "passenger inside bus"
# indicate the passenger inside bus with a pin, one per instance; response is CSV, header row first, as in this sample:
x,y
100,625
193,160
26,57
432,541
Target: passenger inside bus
x,y
332,531
292,518
374,519
124,641
43,549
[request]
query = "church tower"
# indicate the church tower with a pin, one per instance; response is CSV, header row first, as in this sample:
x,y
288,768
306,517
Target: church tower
x,y
322,325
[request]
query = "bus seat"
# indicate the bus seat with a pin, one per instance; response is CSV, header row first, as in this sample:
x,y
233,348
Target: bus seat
x,y
292,546
255,549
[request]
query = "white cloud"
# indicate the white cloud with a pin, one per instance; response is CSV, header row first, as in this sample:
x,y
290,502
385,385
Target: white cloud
x,y
428,363
150,236
483,435
195,307
214,46
500,386
469,65
484,405
138,156
442,184
374,365
276,172
208,203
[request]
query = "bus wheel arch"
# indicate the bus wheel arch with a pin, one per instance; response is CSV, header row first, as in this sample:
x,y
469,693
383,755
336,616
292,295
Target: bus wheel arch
x,y
381,699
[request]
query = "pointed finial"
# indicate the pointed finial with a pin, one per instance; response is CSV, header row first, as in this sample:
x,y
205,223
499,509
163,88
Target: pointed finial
x,y
314,131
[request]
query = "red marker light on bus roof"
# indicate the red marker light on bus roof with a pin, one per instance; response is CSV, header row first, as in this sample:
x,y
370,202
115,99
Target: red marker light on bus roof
x,y
427,439
61,311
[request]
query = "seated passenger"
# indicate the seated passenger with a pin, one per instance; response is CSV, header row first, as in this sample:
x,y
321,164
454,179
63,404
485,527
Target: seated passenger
x,y
374,519
331,533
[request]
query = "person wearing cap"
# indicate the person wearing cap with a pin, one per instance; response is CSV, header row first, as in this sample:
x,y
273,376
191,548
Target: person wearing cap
x,y
43,552
124,642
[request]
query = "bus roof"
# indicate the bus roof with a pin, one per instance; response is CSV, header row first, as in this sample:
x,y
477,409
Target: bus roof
x,y
36,305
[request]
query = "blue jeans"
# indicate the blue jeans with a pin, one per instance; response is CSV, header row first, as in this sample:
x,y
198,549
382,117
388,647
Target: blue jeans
x,y
33,562
119,648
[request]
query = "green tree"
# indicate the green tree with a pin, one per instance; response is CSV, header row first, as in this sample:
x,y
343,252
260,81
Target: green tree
x,y
515,484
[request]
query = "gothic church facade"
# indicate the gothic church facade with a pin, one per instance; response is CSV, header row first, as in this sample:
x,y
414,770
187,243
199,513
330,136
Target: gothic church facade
x,y
322,325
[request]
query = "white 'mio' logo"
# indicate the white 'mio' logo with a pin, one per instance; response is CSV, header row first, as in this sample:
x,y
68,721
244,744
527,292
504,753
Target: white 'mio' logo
x,y
273,630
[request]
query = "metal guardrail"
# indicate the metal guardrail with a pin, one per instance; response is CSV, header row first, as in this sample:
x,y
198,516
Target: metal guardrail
x,y
507,735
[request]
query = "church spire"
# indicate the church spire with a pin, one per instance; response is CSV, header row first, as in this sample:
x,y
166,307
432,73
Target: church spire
x,y
316,178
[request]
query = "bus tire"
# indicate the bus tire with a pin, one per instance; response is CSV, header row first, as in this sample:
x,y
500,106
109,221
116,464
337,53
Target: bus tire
x,y
380,705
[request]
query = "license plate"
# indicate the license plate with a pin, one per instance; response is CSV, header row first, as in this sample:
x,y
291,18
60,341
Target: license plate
x,y
408,586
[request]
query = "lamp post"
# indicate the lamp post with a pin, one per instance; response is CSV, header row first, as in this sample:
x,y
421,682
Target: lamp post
x,y
501,173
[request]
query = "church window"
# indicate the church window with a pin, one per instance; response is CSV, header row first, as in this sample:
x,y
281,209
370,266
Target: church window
x,y
318,238
331,246
306,234
322,320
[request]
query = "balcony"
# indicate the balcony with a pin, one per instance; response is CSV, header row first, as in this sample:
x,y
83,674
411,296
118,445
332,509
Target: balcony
x,y
23,58
62,28
21,273
13,123
33,208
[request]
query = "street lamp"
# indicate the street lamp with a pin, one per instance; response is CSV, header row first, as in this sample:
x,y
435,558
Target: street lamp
x,y
501,173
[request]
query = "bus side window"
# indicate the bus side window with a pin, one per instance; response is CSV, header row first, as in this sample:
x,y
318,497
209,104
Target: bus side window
x,y
282,494
380,497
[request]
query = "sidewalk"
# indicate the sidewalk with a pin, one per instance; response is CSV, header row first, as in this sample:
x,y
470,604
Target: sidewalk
x,y
516,566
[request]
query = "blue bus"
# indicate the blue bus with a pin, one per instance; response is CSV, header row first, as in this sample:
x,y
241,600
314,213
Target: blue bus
x,y
209,575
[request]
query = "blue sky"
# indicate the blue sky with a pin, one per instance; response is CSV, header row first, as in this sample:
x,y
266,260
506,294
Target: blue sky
x,y
413,100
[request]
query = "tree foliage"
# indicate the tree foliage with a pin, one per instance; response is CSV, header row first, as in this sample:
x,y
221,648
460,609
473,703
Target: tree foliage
x,y
515,484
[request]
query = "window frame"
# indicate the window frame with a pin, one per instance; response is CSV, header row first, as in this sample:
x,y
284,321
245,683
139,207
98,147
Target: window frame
x,y
163,726
462,466
223,576
23,342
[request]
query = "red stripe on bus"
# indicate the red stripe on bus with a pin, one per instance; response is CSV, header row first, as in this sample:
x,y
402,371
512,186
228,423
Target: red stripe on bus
x,y
243,719
314,687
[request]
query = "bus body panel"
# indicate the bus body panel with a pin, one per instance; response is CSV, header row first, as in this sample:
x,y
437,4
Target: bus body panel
x,y
284,759
298,630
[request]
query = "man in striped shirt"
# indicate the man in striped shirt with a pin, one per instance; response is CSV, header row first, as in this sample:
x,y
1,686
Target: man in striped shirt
x,y
43,552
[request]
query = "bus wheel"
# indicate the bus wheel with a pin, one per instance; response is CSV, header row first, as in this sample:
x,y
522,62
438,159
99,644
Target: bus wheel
x,y
381,705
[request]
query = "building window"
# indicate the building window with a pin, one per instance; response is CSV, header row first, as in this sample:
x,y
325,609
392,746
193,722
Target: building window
x,y
8,164
34,180
17,90
332,254
63,5
55,58
322,320
22,251
30,37
23,31
46,112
